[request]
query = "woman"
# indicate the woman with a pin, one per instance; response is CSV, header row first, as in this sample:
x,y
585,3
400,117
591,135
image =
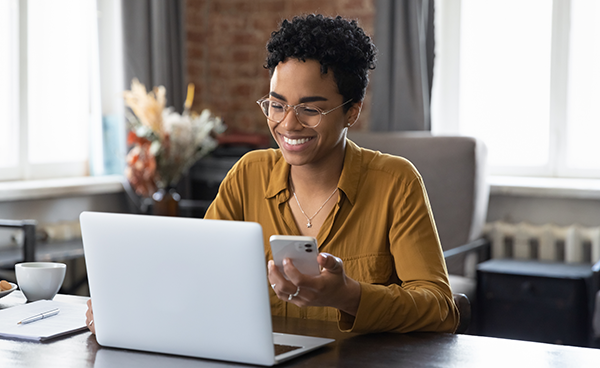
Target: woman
x,y
368,209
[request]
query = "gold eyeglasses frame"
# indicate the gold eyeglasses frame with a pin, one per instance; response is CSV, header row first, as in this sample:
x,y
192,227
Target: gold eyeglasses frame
x,y
287,108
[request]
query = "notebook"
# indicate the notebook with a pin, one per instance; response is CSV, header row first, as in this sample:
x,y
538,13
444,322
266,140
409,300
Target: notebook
x,y
183,286
70,319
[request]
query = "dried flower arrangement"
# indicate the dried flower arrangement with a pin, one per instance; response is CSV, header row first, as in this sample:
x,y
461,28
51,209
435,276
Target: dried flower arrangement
x,y
165,144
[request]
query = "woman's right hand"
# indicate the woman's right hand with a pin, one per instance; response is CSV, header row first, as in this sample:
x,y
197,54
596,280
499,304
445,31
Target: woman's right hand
x,y
89,317
331,288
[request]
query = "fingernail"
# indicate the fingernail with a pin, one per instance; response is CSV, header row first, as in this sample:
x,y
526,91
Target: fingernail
x,y
286,261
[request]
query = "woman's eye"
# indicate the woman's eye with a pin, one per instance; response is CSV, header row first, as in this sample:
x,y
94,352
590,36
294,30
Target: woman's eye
x,y
309,110
276,106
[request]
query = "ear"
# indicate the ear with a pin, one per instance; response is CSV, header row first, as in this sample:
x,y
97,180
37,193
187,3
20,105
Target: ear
x,y
353,114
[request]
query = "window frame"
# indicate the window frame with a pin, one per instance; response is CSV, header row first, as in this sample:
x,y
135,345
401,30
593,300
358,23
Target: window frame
x,y
445,99
24,169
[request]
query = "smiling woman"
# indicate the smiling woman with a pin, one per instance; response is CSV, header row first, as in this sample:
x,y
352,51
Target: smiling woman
x,y
381,263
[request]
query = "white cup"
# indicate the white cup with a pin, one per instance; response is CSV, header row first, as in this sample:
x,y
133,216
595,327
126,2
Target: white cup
x,y
40,280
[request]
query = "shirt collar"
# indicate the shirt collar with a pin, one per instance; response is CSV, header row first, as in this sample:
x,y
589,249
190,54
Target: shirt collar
x,y
279,177
349,179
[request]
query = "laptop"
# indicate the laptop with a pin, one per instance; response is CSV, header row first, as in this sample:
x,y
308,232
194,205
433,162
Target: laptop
x,y
183,286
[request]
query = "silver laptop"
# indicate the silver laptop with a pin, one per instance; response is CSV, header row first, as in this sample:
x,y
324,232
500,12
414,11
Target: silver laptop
x,y
183,286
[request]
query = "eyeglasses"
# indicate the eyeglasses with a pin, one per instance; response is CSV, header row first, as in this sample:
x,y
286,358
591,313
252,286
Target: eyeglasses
x,y
308,116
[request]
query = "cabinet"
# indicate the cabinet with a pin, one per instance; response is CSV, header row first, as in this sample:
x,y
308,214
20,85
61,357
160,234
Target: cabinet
x,y
535,301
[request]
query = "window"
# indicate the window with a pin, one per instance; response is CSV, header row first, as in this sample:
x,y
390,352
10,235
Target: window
x,y
583,89
48,52
523,76
9,107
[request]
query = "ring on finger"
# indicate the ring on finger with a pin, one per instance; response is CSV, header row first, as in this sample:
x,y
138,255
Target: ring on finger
x,y
337,264
295,294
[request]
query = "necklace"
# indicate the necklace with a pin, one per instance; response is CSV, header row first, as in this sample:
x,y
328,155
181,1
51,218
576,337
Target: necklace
x,y
309,219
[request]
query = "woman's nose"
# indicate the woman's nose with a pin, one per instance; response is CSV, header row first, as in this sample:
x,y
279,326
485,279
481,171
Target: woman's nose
x,y
290,121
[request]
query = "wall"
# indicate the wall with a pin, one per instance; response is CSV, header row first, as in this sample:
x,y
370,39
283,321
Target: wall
x,y
58,210
50,210
226,51
542,210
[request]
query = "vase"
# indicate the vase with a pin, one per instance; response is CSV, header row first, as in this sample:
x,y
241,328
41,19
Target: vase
x,y
166,202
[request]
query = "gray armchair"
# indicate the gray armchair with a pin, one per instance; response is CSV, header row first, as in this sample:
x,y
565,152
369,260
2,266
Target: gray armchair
x,y
454,173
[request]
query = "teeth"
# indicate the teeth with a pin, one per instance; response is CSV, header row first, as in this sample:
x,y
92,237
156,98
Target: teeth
x,y
294,142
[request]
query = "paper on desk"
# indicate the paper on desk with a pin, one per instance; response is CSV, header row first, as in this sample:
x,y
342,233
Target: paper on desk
x,y
71,318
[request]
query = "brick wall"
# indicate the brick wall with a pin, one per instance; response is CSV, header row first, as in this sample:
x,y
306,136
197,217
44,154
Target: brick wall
x,y
226,51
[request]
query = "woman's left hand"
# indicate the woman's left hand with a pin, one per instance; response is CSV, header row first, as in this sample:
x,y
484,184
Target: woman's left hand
x,y
89,317
332,288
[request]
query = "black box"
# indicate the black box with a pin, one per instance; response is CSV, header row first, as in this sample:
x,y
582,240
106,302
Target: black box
x,y
534,300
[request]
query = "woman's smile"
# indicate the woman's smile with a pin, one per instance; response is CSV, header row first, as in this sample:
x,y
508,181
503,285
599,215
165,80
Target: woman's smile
x,y
295,142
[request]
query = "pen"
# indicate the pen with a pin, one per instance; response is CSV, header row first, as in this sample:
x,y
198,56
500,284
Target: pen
x,y
37,317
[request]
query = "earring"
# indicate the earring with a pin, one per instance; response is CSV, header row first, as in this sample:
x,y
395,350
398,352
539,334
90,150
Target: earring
x,y
357,116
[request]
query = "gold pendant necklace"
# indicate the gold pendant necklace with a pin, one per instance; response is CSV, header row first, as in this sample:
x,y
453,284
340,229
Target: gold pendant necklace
x,y
309,219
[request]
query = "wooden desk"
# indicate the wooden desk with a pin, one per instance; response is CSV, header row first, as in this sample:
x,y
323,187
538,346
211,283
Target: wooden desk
x,y
349,350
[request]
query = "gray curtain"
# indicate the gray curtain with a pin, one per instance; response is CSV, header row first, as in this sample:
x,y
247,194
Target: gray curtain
x,y
154,46
403,78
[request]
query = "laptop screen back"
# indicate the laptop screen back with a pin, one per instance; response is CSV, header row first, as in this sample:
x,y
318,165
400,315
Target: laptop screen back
x,y
179,286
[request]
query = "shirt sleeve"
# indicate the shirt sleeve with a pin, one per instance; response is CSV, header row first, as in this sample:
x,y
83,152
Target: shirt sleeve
x,y
422,299
228,204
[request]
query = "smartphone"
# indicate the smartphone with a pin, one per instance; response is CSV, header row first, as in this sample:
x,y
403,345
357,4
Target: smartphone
x,y
302,250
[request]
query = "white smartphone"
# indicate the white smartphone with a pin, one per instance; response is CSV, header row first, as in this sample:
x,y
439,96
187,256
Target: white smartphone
x,y
302,250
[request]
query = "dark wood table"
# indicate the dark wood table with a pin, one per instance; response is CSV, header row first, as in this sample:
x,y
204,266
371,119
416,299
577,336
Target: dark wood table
x,y
349,350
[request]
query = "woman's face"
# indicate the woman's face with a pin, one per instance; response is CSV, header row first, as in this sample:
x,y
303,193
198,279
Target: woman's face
x,y
294,82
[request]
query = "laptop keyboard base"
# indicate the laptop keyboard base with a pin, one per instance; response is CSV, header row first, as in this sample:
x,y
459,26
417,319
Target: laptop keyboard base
x,y
281,349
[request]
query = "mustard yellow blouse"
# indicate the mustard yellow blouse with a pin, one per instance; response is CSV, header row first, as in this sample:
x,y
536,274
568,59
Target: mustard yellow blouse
x,y
382,228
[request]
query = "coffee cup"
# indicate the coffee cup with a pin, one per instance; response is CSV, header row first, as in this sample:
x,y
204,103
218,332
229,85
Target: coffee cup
x,y
40,280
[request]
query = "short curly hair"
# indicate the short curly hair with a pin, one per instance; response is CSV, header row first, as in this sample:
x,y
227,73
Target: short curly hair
x,y
335,43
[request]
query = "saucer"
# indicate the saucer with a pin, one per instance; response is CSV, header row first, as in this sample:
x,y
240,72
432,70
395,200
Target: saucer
x,y
6,292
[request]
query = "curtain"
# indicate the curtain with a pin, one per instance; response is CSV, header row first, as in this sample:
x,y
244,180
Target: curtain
x,y
404,75
154,46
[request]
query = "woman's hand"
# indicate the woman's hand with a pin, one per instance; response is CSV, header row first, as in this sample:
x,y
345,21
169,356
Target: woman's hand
x,y
332,288
89,317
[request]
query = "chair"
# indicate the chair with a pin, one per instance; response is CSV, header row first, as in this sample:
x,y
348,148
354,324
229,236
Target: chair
x,y
464,309
454,173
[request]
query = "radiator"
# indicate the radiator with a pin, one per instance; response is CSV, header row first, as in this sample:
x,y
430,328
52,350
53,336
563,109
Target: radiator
x,y
570,244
